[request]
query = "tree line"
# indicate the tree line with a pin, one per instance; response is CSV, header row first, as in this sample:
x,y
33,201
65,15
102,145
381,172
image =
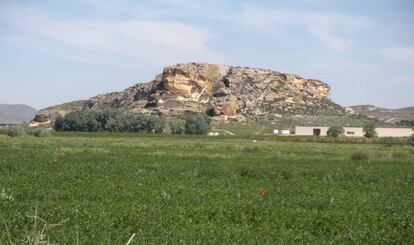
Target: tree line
x,y
116,121
409,123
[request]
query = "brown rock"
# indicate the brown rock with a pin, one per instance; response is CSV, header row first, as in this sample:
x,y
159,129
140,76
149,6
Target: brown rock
x,y
233,93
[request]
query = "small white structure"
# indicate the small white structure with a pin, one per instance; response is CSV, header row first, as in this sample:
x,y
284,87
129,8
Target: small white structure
x,y
275,131
213,134
285,131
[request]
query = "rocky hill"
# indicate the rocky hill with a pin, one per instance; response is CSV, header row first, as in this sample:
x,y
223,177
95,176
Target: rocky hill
x,y
385,115
226,93
16,113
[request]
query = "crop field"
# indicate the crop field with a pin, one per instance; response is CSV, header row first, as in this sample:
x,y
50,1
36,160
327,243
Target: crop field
x,y
102,188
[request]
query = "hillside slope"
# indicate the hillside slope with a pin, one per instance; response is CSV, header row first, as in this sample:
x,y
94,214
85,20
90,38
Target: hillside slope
x,y
385,115
16,113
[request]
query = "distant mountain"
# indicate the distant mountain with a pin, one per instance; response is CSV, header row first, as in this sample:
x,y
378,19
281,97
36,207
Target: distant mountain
x,y
385,115
16,113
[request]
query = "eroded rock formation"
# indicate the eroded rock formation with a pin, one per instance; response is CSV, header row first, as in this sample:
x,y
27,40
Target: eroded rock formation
x,y
224,92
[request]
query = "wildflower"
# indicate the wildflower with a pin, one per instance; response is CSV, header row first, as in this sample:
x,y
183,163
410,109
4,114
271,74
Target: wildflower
x,y
261,192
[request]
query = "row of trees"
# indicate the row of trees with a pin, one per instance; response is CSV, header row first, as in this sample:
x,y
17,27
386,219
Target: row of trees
x,y
369,130
115,121
409,123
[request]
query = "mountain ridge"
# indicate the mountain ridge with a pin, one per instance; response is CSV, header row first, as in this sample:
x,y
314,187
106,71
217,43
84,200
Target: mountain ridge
x,y
385,114
16,113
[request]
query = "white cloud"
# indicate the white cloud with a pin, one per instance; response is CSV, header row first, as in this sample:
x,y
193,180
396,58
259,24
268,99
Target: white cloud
x,y
145,41
334,29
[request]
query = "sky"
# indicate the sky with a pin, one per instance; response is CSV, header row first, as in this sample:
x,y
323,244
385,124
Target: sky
x,y
58,51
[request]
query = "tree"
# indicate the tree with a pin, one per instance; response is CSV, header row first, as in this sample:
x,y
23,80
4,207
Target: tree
x,y
335,131
89,123
155,124
74,121
106,116
196,123
369,130
115,124
177,126
60,124
409,123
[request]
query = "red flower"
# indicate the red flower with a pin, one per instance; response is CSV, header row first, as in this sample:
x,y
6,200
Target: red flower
x,y
261,192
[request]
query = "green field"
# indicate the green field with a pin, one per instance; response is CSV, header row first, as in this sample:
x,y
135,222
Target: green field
x,y
101,188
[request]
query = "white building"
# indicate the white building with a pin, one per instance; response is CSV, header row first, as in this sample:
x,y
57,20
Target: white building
x,y
323,131
354,131
394,132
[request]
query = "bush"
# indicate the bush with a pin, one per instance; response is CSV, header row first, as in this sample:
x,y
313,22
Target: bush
x,y
41,132
335,131
369,130
388,141
360,155
196,123
412,140
177,126
15,131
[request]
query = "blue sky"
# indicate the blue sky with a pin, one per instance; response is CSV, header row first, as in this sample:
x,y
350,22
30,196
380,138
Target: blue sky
x,y
57,51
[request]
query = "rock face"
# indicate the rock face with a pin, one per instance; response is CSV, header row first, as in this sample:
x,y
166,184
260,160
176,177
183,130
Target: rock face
x,y
47,115
224,92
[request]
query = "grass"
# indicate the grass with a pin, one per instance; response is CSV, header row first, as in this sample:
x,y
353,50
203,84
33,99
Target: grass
x,y
102,188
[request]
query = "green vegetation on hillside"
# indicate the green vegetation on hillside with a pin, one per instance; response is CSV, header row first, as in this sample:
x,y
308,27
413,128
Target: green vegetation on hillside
x,y
101,188
407,123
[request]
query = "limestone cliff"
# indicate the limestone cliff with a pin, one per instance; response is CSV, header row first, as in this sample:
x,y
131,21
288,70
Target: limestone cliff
x,y
224,92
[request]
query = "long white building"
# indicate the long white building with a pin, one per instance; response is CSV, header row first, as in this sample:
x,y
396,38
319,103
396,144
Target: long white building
x,y
354,131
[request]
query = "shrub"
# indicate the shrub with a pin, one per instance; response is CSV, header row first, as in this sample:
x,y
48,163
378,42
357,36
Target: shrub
x,y
360,155
388,141
41,132
335,131
412,140
15,131
196,123
369,130
177,126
